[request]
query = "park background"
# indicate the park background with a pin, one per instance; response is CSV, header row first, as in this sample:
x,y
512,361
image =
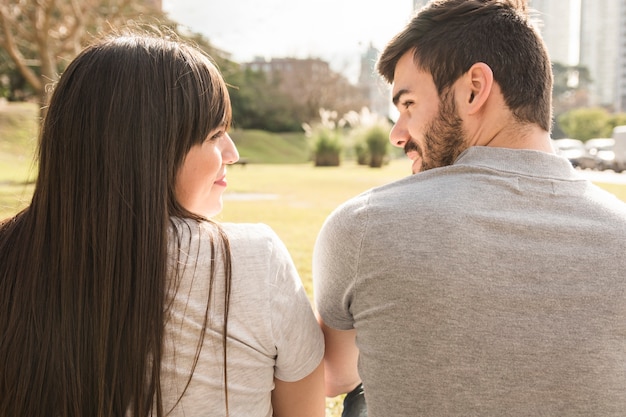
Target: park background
x,y
284,120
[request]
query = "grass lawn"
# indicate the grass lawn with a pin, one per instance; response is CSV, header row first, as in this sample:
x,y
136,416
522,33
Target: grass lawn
x,y
18,138
295,199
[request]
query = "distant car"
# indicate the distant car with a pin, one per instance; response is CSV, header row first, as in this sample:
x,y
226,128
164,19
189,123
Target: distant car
x,y
575,151
619,149
602,151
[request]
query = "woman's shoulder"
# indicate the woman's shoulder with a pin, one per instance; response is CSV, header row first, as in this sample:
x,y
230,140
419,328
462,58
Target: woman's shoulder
x,y
194,226
253,237
238,234
247,229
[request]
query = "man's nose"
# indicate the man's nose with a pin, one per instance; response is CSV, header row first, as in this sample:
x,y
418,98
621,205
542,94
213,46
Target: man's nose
x,y
399,135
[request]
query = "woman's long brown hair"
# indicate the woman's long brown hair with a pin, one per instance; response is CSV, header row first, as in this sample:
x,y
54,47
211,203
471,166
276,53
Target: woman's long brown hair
x,y
83,269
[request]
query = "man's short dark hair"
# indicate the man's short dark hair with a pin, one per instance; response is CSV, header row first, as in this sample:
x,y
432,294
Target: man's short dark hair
x,y
449,36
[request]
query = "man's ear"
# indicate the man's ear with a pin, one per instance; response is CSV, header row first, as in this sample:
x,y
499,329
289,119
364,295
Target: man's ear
x,y
477,87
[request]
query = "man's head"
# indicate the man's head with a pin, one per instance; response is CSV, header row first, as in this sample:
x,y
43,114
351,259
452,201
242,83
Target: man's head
x,y
449,36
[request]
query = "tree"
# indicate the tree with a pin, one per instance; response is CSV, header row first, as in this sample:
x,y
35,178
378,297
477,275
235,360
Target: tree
x,y
42,36
311,84
38,38
259,104
586,123
570,86
12,84
570,91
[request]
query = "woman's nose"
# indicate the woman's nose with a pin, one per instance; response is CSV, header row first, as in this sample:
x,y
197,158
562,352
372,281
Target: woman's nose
x,y
230,155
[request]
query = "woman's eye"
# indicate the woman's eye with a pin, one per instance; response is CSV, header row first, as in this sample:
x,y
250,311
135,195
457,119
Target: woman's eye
x,y
217,135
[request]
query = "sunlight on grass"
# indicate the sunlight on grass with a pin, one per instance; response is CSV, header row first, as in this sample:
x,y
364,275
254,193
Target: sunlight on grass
x,y
619,190
292,199
299,198
13,198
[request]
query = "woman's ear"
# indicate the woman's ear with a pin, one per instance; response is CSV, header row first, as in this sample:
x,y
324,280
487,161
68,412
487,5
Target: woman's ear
x,y
478,84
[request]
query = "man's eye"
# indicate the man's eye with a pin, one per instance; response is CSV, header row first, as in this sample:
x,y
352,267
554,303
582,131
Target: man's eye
x,y
407,104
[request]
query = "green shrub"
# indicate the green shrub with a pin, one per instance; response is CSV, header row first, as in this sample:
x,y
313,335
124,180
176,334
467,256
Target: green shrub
x,y
376,138
362,153
327,148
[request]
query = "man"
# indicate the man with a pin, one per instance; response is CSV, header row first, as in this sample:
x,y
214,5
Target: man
x,y
493,281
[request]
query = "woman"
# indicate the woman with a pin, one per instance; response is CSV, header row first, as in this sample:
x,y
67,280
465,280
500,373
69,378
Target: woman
x,y
118,295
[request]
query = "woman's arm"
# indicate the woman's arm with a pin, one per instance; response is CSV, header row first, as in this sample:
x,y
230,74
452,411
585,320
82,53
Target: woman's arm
x,y
341,357
303,398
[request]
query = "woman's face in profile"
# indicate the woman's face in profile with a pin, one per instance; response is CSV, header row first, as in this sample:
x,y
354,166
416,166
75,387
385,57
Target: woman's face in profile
x,y
201,179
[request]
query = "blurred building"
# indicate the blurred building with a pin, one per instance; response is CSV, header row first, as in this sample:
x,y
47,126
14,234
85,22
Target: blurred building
x,y
621,60
374,88
586,33
291,73
590,33
559,25
600,48
311,83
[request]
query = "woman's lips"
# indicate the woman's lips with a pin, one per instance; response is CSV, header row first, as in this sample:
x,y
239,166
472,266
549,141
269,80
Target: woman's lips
x,y
221,181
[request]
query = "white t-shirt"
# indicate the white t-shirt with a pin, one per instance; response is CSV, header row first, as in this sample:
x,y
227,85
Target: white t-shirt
x,y
272,331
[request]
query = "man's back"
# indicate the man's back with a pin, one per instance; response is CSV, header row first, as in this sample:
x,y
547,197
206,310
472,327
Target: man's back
x,y
495,286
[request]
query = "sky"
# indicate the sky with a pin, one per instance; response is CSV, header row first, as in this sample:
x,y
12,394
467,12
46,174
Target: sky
x,y
337,31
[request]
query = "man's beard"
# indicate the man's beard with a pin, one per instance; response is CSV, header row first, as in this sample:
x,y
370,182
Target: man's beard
x,y
444,139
